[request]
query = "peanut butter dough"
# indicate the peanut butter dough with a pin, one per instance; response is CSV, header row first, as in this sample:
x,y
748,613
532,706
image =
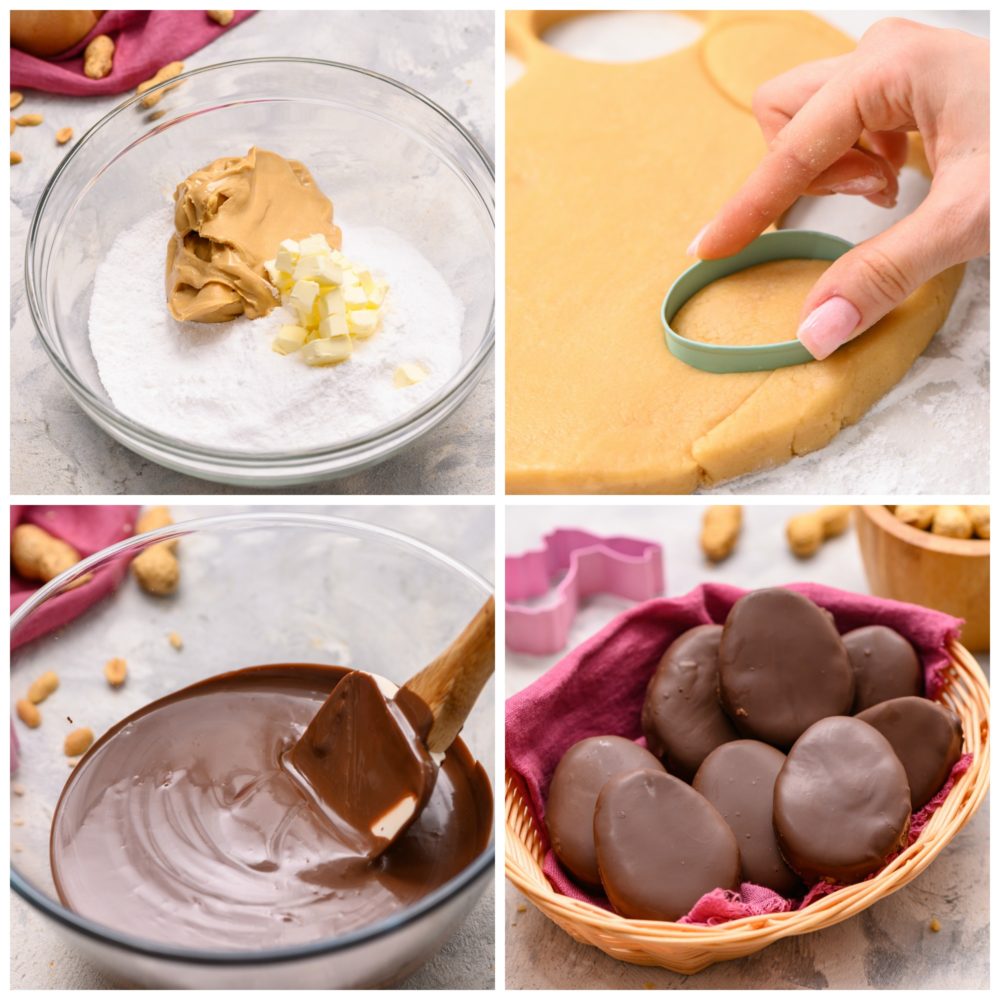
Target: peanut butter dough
x,y
760,305
611,171
230,217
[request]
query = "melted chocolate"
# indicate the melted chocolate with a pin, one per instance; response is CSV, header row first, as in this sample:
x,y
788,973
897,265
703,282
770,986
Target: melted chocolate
x,y
738,779
578,778
681,717
841,802
885,666
927,738
181,825
782,666
661,846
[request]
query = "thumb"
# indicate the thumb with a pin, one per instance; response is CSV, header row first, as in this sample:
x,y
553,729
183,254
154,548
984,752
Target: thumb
x,y
861,287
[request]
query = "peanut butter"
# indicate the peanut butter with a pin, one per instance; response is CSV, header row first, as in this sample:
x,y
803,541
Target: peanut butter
x,y
230,217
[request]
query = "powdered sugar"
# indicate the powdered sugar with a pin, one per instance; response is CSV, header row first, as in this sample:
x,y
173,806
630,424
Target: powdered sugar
x,y
220,385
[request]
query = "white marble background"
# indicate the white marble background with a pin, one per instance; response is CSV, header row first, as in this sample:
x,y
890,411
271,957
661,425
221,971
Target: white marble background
x,y
55,449
890,945
41,959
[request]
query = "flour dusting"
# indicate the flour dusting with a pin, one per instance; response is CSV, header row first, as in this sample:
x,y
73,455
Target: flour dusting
x,y
220,385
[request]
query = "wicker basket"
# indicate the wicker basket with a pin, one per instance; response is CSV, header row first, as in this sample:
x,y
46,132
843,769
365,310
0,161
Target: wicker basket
x,y
689,948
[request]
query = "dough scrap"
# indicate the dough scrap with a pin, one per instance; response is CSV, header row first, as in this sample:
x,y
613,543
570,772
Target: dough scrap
x,y
611,170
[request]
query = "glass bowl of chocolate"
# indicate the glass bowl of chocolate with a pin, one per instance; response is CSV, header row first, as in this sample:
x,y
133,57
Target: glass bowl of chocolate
x,y
242,161
155,822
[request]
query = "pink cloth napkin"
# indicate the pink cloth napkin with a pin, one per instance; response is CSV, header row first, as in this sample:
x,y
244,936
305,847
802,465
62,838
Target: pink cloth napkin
x,y
145,41
88,530
598,688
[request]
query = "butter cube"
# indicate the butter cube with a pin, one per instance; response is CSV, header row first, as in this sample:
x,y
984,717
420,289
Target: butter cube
x,y
290,338
309,266
328,273
362,322
288,254
408,373
331,303
314,244
304,294
376,294
328,351
334,326
354,296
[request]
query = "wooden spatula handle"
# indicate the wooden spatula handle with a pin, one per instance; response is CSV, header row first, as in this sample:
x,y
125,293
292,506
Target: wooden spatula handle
x,y
450,684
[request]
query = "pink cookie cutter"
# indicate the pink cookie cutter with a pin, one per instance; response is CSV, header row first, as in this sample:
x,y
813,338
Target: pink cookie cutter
x,y
627,567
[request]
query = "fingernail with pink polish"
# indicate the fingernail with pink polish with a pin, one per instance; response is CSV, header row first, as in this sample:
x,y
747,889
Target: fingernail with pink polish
x,y
829,325
860,185
692,250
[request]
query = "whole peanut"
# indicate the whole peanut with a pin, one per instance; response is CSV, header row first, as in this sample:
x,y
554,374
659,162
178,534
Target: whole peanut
x,y
29,713
807,532
42,687
98,57
952,522
115,671
78,741
64,135
37,555
222,17
720,528
29,121
167,73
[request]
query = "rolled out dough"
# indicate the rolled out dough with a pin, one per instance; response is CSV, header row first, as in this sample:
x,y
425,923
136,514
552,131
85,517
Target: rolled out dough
x,y
760,305
611,170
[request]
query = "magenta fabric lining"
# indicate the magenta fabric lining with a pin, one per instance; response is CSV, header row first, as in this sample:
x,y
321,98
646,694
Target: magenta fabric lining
x,y
598,688
145,41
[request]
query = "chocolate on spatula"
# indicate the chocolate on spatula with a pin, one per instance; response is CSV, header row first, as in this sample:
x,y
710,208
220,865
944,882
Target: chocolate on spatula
x,y
364,759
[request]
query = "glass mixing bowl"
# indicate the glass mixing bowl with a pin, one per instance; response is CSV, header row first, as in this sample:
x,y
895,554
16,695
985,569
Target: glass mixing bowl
x,y
385,154
255,588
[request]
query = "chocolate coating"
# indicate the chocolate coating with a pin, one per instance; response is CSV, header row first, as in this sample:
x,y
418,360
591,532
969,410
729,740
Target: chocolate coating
x,y
885,666
681,717
782,666
841,802
578,778
927,738
738,779
182,826
661,846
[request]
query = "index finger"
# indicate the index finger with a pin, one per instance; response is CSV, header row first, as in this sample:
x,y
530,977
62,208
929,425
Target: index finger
x,y
827,125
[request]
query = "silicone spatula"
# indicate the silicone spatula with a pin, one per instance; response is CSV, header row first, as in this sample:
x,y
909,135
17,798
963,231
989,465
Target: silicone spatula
x,y
371,754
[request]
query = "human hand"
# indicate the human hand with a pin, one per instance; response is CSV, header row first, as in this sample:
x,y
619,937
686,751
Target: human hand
x,y
838,126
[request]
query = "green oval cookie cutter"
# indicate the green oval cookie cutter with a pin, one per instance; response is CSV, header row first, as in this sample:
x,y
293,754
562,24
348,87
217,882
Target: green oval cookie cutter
x,y
785,244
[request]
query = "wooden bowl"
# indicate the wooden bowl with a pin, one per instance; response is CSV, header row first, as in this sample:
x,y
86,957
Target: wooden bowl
x,y
688,948
904,563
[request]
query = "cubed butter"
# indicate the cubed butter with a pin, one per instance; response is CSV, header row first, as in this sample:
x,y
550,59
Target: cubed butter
x,y
290,338
304,293
333,299
328,351
334,326
314,244
287,255
362,322
331,303
408,373
354,296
